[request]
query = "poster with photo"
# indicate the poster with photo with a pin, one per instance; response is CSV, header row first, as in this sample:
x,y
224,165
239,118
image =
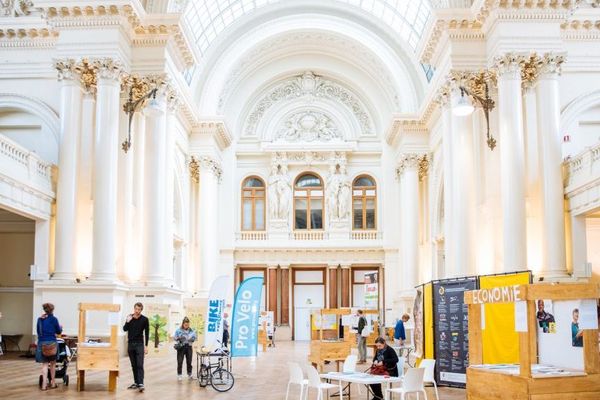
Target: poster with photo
x,y
418,321
371,291
545,316
566,337
197,315
158,317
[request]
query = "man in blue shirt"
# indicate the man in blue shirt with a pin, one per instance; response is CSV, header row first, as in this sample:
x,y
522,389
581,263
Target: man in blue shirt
x,y
399,331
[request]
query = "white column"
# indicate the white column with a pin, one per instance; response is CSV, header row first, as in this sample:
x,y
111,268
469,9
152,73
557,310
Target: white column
x,y
552,191
41,251
409,223
169,191
138,153
105,170
124,204
579,245
512,162
463,198
447,164
84,186
66,204
207,222
155,196
532,163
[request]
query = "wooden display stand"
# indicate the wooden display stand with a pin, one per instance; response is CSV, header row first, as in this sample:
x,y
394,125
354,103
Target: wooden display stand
x,y
97,358
326,344
489,384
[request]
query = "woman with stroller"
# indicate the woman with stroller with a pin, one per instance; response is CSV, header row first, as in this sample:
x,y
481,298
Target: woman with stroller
x,y
184,338
47,347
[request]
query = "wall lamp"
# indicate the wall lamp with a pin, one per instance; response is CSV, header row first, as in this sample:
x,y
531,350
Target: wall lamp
x,y
464,106
132,106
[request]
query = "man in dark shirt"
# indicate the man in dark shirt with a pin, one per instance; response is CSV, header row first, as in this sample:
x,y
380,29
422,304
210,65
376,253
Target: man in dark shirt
x,y
138,333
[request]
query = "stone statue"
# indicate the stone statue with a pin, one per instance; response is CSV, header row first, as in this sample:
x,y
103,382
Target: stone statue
x,y
339,193
280,192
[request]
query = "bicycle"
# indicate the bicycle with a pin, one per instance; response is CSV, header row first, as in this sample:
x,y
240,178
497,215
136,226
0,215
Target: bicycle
x,y
217,374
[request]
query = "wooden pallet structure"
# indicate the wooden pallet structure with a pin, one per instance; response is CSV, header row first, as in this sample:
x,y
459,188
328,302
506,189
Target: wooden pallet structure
x,y
326,344
94,358
484,383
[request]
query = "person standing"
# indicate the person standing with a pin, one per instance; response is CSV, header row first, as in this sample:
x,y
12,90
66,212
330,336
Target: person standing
x,y
137,327
47,347
225,330
184,338
362,341
400,331
384,356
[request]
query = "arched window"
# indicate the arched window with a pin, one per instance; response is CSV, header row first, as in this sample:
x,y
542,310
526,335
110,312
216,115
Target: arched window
x,y
253,204
308,202
364,201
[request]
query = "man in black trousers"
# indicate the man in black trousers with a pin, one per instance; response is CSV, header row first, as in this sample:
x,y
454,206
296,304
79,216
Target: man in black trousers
x,y
138,333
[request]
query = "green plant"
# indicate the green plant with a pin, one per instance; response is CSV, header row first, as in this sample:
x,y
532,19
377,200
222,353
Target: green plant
x,y
158,331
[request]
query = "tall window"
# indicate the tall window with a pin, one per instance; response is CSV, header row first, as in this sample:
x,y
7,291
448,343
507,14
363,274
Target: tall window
x,y
364,200
308,202
253,204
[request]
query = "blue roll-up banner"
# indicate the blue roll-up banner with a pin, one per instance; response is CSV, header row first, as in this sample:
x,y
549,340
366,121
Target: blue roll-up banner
x,y
246,311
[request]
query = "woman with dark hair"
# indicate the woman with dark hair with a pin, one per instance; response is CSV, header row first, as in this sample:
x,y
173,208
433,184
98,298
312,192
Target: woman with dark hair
x,y
47,329
385,358
184,338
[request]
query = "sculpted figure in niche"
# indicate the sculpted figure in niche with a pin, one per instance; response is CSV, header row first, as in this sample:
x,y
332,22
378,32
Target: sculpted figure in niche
x,y
280,192
339,192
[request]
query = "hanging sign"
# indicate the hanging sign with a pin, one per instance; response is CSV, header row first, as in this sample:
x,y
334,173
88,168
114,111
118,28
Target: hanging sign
x,y
213,334
505,294
371,291
246,314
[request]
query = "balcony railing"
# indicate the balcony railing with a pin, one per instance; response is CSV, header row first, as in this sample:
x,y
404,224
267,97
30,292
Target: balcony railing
x,y
309,235
365,235
583,168
24,165
252,235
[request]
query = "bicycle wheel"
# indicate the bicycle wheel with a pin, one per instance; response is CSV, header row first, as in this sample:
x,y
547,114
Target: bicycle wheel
x,y
203,376
221,380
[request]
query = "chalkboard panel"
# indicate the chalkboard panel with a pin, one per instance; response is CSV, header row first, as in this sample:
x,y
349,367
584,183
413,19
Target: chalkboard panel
x,y
451,330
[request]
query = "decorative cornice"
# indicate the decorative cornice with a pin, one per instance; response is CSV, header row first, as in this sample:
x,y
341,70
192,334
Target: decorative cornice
x,y
153,34
15,8
217,129
462,29
401,125
89,16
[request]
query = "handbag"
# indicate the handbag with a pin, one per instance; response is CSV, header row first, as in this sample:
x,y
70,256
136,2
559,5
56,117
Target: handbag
x,y
48,349
378,370
366,332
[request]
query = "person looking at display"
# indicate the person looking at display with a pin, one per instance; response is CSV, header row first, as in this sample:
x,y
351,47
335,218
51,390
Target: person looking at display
x,y
544,318
576,333
400,331
137,327
184,338
384,356
362,341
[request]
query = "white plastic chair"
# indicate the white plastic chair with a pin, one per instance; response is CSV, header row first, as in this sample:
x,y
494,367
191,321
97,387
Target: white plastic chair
x,y
296,378
350,363
429,365
412,383
314,381
401,361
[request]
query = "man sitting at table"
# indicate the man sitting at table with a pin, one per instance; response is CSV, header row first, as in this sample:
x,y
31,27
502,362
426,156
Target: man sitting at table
x,y
387,357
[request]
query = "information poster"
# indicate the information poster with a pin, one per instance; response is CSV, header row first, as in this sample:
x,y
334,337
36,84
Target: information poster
x,y
418,320
371,291
451,330
158,318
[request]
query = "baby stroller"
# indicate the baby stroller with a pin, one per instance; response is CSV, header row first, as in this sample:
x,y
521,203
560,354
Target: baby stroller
x,y
63,357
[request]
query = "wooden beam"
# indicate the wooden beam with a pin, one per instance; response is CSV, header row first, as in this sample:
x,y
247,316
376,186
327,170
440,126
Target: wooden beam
x,y
99,307
285,296
591,357
475,335
333,288
563,291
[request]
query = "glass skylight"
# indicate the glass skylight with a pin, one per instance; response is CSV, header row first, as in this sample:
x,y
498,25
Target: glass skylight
x,y
208,18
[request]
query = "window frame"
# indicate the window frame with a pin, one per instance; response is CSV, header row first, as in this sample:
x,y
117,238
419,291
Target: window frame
x,y
253,199
308,198
364,198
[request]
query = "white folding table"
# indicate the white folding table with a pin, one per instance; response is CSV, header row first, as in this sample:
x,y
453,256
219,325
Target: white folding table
x,y
361,378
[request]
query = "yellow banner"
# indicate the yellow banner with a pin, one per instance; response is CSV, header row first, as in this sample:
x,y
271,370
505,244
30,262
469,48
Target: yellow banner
x,y
500,341
428,318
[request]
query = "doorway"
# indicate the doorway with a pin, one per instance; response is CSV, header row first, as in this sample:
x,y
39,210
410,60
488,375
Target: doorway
x,y
308,295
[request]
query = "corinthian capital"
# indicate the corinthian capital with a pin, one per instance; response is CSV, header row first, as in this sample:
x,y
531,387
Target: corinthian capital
x,y
442,97
66,68
108,68
413,161
211,165
509,63
551,63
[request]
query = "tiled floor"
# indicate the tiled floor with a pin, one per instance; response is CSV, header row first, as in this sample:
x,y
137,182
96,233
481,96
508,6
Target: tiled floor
x,y
263,378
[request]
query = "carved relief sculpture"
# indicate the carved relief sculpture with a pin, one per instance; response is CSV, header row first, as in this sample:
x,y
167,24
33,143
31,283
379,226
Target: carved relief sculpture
x,y
308,126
